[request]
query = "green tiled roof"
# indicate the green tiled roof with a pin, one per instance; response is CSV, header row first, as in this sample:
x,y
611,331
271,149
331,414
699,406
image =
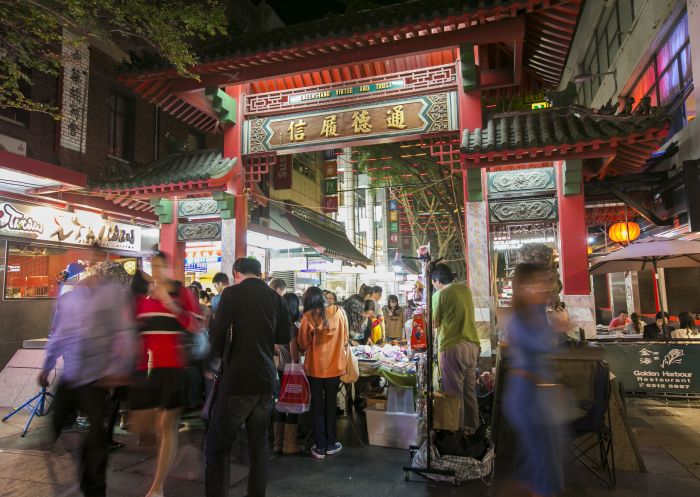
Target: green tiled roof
x,y
179,168
325,234
340,26
554,126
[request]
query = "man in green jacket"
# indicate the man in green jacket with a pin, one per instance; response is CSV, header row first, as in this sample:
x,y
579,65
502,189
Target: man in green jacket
x,y
458,342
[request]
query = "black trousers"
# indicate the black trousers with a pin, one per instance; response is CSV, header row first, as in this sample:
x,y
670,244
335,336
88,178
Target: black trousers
x,y
91,401
324,394
228,415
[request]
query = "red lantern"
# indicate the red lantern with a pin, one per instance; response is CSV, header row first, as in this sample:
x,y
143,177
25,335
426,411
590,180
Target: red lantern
x,y
624,232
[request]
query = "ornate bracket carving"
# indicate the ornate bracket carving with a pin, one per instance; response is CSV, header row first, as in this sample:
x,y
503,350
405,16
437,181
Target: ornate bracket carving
x,y
257,165
197,207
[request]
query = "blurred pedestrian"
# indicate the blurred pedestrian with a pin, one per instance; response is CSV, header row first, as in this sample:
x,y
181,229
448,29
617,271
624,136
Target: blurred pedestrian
x,y
530,411
394,318
93,331
279,286
636,326
158,394
285,424
458,342
323,335
331,297
377,295
220,281
256,318
354,307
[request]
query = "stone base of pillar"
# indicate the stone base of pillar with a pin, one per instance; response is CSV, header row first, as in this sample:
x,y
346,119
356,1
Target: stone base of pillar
x,y
581,312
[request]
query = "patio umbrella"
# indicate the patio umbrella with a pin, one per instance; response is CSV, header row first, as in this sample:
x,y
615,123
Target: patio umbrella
x,y
649,253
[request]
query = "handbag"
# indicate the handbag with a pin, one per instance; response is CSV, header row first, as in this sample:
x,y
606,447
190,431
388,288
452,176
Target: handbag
x,y
295,392
352,367
205,413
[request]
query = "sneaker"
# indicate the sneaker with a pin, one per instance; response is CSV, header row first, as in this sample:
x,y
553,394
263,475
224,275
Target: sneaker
x,y
334,449
317,453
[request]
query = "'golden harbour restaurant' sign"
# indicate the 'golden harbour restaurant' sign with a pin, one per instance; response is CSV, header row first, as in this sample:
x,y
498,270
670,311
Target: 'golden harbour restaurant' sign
x,y
408,116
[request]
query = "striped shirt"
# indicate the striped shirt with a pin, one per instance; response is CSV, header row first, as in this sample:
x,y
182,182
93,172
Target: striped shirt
x,y
161,330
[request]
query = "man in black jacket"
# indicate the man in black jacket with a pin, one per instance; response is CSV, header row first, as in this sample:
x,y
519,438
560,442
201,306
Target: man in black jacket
x,y
258,319
659,329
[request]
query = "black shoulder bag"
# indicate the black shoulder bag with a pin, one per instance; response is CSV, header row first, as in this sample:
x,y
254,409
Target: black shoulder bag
x,y
205,415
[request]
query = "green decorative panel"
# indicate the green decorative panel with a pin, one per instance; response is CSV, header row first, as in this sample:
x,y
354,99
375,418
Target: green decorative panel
x,y
572,177
521,182
470,71
475,192
199,231
223,104
163,208
197,207
518,211
226,203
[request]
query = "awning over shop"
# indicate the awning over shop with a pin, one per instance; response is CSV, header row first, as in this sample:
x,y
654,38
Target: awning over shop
x,y
324,234
623,141
175,174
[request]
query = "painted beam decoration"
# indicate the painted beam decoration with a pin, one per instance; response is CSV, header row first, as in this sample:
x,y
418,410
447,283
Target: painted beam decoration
x,y
197,207
408,116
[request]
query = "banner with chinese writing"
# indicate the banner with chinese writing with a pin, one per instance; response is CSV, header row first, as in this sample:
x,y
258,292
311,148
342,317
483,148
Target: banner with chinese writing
x,y
330,186
655,367
56,225
375,121
282,173
330,168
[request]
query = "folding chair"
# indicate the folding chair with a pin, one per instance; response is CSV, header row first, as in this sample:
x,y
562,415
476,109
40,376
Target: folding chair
x,y
593,442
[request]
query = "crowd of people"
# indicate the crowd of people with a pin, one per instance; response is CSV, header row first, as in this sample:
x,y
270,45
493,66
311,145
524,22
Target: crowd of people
x,y
660,328
152,347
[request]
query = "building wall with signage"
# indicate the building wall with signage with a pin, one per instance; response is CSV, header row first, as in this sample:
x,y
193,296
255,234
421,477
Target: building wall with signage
x,y
302,190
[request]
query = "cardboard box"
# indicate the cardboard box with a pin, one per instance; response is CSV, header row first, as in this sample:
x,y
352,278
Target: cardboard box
x,y
377,402
387,429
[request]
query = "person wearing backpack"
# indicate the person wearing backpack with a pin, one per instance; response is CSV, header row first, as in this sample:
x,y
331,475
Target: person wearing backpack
x,y
323,335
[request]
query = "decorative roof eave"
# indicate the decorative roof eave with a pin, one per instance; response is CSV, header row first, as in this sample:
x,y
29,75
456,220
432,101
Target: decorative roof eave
x,y
565,133
351,31
197,172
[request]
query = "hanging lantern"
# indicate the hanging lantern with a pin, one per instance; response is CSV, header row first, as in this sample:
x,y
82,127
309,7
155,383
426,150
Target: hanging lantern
x,y
624,232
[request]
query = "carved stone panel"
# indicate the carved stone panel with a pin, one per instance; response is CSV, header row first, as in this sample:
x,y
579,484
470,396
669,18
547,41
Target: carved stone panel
x,y
516,211
197,207
524,181
199,231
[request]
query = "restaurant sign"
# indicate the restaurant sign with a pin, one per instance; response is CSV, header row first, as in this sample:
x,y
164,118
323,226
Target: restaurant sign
x,y
55,225
655,367
408,116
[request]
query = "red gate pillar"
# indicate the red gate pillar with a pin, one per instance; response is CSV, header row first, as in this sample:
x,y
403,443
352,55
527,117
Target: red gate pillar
x,y
233,147
573,245
169,244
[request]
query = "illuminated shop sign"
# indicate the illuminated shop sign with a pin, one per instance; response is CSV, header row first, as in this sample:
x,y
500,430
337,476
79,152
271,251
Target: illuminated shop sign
x,y
55,225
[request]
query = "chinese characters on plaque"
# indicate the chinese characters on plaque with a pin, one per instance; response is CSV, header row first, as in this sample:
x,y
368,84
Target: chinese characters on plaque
x,y
329,127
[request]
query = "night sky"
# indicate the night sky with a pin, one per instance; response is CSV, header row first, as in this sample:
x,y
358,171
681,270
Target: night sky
x,y
296,11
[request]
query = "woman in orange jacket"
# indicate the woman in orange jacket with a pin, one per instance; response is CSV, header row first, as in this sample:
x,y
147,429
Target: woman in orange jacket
x,y
323,335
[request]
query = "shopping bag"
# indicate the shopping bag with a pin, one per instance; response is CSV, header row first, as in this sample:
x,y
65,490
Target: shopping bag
x,y
446,412
419,339
352,371
295,393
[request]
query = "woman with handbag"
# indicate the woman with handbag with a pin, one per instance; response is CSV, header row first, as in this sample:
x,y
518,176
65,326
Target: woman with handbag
x,y
529,404
285,424
158,394
323,335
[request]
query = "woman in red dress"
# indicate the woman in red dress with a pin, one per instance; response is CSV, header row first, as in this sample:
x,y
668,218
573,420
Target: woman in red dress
x,y
158,396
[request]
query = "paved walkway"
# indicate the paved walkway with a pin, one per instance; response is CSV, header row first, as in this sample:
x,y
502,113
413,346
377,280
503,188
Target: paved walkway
x,y
668,435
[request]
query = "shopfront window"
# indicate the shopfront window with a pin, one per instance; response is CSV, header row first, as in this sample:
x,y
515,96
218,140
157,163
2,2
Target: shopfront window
x,y
38,272
32,271
119,126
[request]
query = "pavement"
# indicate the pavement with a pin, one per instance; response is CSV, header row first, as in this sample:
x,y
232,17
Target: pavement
x,y
668,437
